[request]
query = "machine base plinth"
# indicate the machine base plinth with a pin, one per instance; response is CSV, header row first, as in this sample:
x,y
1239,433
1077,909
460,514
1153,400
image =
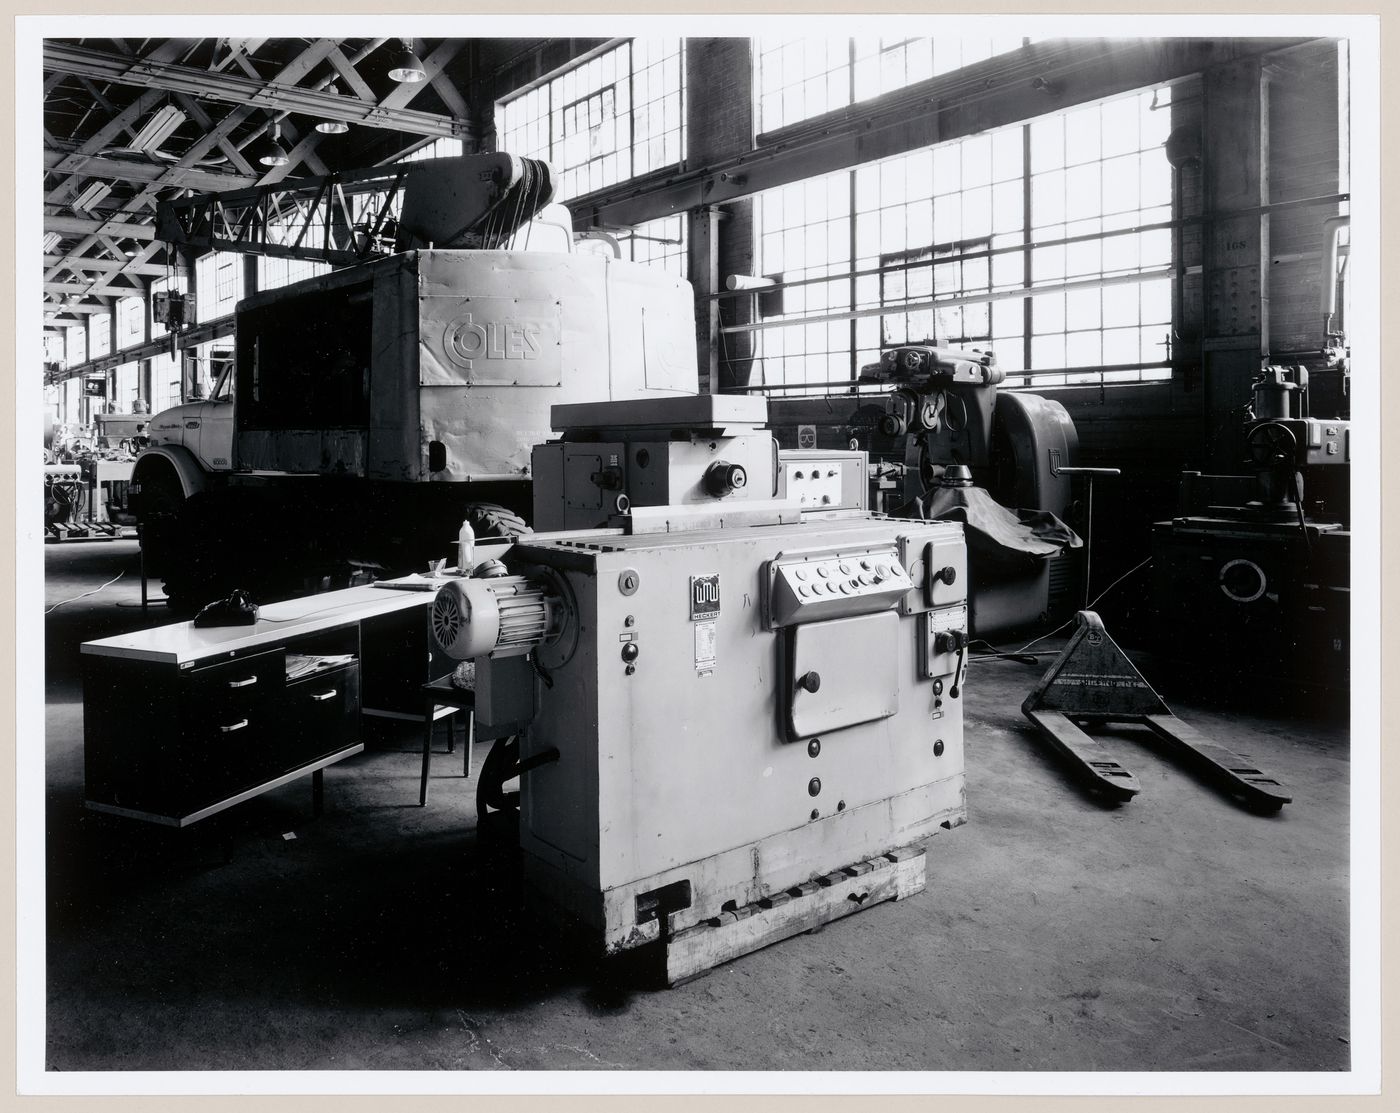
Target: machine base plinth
x,y
806,907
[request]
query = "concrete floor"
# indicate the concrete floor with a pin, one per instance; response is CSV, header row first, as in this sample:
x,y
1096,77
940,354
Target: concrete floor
x,y
1177,932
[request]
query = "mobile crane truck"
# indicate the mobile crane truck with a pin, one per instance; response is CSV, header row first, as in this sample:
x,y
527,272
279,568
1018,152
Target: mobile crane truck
x,y
370,410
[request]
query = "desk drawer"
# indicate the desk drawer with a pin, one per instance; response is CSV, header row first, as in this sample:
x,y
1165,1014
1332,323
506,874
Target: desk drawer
x,y
225,750
244,684
321,715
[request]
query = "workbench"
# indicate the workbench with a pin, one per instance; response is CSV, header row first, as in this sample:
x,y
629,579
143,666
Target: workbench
x,y
181,722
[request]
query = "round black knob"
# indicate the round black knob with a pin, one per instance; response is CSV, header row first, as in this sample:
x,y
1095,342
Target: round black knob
x,y
630,652
947,574
947,642
809,681
814,747
814,786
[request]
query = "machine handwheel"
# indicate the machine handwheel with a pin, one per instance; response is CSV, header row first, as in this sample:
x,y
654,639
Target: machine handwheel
x,y
931,410
1271,444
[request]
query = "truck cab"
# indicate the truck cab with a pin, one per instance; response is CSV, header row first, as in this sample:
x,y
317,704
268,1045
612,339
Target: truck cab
x,y
203,428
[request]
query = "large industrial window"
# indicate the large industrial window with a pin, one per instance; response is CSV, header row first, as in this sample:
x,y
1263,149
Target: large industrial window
x,y
218,284
126,387
438,148
961,232
131,322
99,335
612,117
660,243
75,342
800,78
274,273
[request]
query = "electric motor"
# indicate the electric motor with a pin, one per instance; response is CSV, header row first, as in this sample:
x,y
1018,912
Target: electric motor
x,y
503,616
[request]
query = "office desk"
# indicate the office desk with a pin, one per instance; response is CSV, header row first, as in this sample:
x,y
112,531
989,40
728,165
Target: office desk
x,y
182,722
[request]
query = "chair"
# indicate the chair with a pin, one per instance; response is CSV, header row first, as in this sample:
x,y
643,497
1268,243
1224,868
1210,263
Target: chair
x,y
438,694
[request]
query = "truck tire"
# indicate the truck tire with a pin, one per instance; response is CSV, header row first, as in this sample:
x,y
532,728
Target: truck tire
x,y
157,509
161,492
489,519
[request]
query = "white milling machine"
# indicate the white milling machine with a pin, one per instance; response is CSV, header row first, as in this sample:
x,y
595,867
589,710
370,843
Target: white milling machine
x,y
738,693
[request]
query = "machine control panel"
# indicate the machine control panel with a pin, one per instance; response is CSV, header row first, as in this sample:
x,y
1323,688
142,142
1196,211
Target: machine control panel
x,y
942,637
811,588
823,479
816,486
938,566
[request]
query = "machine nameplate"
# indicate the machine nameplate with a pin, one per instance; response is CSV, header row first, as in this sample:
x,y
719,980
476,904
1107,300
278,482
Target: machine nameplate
x,y
704,597
488,340
705,641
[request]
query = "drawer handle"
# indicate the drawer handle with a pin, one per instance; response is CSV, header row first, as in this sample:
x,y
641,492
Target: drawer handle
x,y
236,726
321,697
242,683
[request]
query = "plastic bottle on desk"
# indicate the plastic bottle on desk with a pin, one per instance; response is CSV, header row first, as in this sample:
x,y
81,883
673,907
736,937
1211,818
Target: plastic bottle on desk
x,y
466,544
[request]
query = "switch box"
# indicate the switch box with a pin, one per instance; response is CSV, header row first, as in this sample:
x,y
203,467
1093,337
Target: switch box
x,y
814,587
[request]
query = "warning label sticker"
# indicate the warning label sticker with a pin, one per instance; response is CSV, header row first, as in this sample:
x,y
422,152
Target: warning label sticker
x,y
705,647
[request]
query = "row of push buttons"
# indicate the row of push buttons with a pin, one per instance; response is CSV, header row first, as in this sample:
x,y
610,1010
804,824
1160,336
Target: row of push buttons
x,y
855,575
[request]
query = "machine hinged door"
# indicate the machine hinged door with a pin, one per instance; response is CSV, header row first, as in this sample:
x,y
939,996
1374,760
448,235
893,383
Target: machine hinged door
x,y
841,672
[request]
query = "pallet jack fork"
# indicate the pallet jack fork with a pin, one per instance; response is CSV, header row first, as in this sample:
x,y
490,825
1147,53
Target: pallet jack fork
x,y
1093,683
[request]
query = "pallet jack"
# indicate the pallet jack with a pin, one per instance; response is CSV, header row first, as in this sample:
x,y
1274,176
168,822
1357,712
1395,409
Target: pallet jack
x,y
1092,683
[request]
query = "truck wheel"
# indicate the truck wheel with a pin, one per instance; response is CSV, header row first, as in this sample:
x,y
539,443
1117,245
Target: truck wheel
x,y
157,509
160,493
488,519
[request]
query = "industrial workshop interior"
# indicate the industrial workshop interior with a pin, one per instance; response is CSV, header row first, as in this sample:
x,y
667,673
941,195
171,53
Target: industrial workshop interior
x,y
695,554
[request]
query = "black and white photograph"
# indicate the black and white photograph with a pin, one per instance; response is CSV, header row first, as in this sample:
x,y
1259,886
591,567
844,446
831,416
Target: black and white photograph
x,y
768,554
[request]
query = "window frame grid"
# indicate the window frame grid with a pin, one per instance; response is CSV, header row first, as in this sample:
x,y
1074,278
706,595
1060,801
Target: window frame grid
x,y
531,122
1144,272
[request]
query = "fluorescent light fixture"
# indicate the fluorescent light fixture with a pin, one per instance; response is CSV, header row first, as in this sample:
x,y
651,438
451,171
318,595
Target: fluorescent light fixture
x,y
158,129
407,67
91,196
51,241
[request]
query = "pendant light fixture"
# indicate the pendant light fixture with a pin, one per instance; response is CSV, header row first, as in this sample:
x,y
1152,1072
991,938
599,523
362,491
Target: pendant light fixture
x,y
407,67
332,127
269,150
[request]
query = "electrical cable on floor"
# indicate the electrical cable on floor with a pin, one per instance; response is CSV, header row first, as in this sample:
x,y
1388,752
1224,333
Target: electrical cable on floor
x,y
1031,658
85,594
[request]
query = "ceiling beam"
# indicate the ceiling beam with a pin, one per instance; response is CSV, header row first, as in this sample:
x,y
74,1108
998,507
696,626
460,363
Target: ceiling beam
x,y
273,96
396,99
104,266
81,288
108,133
196,112
130,170
86,310
92,226
293,72
351,76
